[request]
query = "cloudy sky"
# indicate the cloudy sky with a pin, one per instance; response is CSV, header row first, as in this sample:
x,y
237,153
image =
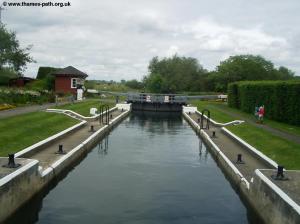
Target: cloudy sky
x,y
115,39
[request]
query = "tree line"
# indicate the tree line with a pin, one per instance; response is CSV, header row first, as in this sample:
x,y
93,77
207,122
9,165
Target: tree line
x,y
185,74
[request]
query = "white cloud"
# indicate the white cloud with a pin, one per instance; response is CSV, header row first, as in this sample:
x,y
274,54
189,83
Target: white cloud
x,y
172,50
116,39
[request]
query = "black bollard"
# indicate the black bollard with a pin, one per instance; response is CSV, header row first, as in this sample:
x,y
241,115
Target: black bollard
x,y
280,172
60,150
239,159
213,134
92,128
122,110
189,112
11,162
111,116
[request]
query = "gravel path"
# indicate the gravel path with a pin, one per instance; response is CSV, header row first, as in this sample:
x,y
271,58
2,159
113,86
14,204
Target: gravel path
x,y
26,109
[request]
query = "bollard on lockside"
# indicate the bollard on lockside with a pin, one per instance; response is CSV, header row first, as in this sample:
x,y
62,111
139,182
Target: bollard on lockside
x,y
60,150
239,159
11,162
214,134
92,128
280,172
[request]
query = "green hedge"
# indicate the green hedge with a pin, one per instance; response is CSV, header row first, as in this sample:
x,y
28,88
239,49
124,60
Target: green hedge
x,y
280,98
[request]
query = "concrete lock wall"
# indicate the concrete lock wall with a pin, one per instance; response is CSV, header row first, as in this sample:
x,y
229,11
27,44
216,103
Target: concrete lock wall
x,y
20,186
269,201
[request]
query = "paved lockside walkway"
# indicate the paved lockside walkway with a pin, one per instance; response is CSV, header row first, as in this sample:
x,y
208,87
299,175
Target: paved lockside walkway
x,y
231,149
47,155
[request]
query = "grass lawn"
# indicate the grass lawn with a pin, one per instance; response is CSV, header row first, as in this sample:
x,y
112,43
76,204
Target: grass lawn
x,y
215,113
19,132
282,151
83,108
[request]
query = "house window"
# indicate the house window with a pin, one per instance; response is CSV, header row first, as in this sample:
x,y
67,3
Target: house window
x,y
73,83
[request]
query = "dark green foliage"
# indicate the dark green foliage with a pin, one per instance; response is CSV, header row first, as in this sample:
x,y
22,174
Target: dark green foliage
x,y
5,75
280,98
11,54
45,79
43,72
22,99
179,74
174,74
247,67
134,84
233,100
40,85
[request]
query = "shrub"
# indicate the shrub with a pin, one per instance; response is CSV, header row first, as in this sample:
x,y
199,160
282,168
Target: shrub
x,y
17,97
43,72
281,98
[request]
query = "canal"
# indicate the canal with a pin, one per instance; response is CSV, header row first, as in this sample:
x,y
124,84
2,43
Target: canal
x,y
152,168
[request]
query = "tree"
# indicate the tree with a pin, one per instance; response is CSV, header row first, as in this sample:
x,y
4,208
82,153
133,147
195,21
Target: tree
x,y
154,83
134,84
175,74
285,73
247,67
11,54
